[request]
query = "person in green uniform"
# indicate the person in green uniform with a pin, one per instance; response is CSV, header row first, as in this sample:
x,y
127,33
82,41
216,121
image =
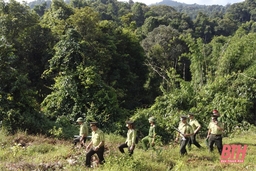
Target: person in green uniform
x,y
96,145
83,132
196,127
215,113
149,140
184,133
215,130
130,140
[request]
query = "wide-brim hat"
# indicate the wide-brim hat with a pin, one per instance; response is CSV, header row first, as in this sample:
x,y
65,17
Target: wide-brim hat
x,y
80,119
129,122
152,119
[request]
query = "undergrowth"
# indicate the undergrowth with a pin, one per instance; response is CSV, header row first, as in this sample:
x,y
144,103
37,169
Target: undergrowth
x,y
27,152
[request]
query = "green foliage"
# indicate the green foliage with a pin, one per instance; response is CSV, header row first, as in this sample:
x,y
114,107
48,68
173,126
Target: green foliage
x,y
163,48
40,9
108,60
124,162
41,152
19,108
56,132
85,22
41,149
14,17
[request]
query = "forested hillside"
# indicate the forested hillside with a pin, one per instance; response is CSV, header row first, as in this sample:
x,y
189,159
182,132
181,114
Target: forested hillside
x,y
109,61
192,10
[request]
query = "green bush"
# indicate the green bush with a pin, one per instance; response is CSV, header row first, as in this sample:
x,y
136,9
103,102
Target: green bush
x,y
41,148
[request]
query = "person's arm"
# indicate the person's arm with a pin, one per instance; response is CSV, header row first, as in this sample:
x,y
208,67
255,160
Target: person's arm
x,y
154,135
198,126
177,137
100,145
82,138
208,134
219,126
209,130
133,139
84,132
102,140
89,145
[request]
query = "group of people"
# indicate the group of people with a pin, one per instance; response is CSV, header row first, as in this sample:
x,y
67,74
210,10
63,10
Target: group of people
x,y
96,145
187,132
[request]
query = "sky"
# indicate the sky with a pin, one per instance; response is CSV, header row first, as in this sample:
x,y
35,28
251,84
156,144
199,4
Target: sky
x,y
200,2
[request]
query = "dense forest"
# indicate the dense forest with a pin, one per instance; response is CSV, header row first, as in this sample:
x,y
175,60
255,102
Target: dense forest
x,y
109,61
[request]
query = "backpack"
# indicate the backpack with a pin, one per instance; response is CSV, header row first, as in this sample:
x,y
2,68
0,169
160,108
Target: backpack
x,y
137,139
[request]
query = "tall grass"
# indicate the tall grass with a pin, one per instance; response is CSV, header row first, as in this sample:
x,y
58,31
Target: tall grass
x,y
27,152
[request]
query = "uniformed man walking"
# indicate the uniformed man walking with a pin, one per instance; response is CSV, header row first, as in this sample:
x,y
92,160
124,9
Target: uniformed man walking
x,y
196,127
130,140
96,145
215,130
184,133
149,140
83,132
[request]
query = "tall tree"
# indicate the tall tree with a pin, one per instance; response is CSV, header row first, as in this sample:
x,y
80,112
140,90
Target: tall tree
x,y
204,28
138,10
164,48
19,108
78,89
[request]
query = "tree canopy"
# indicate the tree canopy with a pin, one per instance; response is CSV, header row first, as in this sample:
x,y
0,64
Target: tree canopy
x,y
110,61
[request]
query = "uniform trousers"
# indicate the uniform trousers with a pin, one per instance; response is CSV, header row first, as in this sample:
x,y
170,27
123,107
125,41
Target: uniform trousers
x,y
217,140
192,140
91,152
147,142
183,144
124,145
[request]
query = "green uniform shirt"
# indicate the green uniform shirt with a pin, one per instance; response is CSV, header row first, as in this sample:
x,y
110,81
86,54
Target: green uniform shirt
x,y
83,129
185,128
97,137
194,123
213,128
131,137
152,131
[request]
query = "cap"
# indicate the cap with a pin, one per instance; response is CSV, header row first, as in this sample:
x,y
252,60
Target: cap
x,y
191,114
80,119
94,123
183,117
151,119
215,112
129,122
